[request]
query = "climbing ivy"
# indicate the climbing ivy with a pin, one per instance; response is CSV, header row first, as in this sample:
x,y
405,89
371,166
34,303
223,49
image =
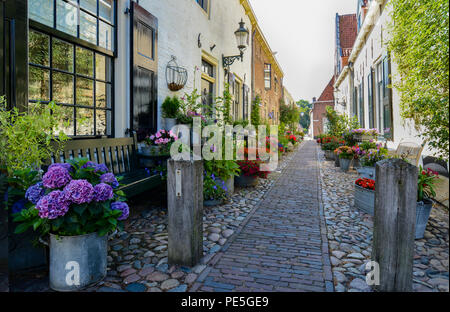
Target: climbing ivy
x,y
419,46
255,114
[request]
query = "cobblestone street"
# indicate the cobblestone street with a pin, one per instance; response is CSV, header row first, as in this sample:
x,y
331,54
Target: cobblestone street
x,y
283,244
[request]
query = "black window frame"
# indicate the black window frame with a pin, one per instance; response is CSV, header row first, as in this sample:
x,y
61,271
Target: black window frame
x,y
53,32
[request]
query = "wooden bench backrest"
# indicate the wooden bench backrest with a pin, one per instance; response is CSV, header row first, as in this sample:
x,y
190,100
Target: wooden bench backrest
x,y
411,151
118,154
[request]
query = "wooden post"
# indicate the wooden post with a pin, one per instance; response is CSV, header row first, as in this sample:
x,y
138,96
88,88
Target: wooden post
x,y
185,205
394,224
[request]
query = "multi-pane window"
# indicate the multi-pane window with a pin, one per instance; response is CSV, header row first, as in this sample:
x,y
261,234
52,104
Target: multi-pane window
x,y
267,76
237,109
370,99
90,20
387,100
77,78
379,94
207,85
204,4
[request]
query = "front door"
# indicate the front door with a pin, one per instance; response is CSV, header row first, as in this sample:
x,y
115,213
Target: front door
x,y
144,64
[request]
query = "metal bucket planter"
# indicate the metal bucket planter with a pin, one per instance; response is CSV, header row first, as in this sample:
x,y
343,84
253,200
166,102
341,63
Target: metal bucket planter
x,y
169,123
365,199
336,161
212,202
230,186
77,262
367,172
356,163
246,181
344,164
423,211
329,155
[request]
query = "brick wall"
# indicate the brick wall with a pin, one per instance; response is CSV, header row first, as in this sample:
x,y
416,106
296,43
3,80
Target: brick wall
x,y
270,98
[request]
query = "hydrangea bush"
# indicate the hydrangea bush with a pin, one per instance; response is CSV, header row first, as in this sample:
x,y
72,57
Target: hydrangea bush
x,y
74,198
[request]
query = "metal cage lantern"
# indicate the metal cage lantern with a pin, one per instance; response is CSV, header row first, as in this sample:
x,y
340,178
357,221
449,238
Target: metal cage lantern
x,y
176,76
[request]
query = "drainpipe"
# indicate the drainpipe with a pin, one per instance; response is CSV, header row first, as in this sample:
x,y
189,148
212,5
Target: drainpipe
x,y
253,65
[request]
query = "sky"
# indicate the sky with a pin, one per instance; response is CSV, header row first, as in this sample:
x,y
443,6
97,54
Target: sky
x,y
302,32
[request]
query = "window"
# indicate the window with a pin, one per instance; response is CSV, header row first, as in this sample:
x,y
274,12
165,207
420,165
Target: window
x,y
370,100
361,104
355,102
89,20
237,106
245,102
207,91
387,100
379,95
77,78
204,4
267,76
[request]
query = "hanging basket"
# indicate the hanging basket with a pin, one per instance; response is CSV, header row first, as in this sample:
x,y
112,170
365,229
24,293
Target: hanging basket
x,y
176,76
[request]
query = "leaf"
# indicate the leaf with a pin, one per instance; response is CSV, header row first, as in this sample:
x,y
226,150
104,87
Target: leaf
x,y
79,209
37,223
21,228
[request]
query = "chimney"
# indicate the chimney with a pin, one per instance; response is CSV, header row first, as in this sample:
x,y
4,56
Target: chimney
x,y
314,99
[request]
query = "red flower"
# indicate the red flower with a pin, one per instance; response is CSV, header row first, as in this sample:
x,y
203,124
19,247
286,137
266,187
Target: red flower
x,y
366,183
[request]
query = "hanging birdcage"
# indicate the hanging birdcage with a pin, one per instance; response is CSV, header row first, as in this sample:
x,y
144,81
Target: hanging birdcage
x,y
176,76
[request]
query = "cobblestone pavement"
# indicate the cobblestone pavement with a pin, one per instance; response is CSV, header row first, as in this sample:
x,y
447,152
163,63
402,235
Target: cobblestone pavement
x,y
282,245
137,257
350,237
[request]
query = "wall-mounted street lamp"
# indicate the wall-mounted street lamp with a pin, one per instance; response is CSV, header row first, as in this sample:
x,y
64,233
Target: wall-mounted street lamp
x,y
242,39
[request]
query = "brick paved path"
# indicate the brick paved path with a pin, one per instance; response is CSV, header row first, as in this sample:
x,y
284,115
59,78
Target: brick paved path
x,y
282,245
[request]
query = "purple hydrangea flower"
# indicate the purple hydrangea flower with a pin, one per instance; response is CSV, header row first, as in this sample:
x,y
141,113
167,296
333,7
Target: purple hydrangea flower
x,y
79,191
56,177
89,164
101,168
66,166
122,206
103,192
110,179
35,192
53,205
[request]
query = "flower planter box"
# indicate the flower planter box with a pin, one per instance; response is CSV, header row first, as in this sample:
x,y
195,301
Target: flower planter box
x,y
246,181
84,255
329,155
364,137
366,172
423,211
365,199
344,164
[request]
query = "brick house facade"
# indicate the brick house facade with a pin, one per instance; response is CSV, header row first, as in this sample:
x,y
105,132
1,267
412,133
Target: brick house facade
x,y
268,78
318,111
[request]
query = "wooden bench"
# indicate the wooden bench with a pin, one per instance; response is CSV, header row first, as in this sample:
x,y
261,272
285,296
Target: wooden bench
x,y
119,155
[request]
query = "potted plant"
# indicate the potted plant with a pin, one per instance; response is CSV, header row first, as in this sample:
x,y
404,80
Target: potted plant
x,y
425,191
329,145
345,154
214,190
170,108
250,171
365,195
368,161
226,170
76,204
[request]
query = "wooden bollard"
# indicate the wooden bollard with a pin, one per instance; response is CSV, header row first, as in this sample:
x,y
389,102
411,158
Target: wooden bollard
x,y
394,224
185,205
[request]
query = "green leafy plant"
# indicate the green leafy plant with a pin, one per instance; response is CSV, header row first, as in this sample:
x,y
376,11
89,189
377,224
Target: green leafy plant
x,y
28,139
255,116
170,107
224,169
425,184
419,44
214,188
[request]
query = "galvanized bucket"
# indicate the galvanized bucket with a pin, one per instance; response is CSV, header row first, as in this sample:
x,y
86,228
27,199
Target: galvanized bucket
x,y
423,211
344,164
245,181
77,262
329,155
365,199
367,172
336,161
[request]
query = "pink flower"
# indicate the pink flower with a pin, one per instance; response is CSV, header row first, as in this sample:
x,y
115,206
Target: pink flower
x,y
158,135
152,137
